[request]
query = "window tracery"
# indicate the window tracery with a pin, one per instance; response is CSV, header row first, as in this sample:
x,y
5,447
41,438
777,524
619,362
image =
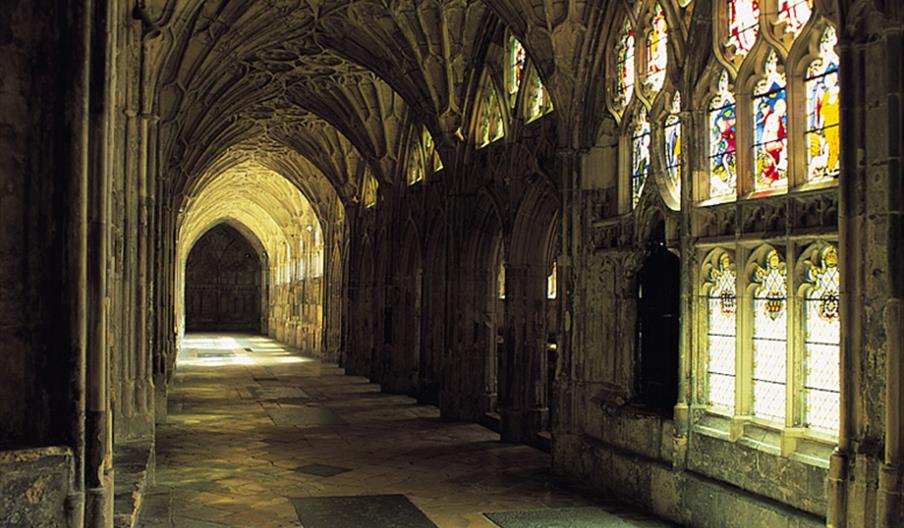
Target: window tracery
x,y
723,142
640,156
770,328
823,108
370,191
490,125
721,334
538,100
794,14
625,67
423,159
822,336
743,25
672,147
517,63
657,50
770,118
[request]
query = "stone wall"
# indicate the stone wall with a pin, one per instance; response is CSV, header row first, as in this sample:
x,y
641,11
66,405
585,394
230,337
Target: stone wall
x,y
34,487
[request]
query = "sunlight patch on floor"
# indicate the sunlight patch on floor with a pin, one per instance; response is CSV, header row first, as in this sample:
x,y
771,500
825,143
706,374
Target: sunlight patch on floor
x,y
211,350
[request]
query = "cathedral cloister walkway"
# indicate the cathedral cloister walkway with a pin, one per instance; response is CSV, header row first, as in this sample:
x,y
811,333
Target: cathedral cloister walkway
x,y
259,435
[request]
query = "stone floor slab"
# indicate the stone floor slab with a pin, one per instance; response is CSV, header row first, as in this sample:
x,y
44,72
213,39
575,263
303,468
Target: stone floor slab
x,y
322,470
227,454
372,511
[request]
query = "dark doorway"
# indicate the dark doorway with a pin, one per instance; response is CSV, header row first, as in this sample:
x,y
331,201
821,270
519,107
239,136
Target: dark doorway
x,y
657,330
223,283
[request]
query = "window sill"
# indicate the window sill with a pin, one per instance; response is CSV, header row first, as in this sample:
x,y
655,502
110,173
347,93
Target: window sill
x,y
799,444
709,202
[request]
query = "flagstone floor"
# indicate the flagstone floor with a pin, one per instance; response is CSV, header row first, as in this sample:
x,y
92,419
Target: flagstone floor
x,y
253,426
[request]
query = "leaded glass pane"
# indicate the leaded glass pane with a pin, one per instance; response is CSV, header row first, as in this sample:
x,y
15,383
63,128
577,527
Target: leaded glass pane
x,y
624,70
672,137
490,124
743,25
517,63
430,150
657,50
770,329
823,335
770,149
416,164
640,156
795,14
722,142
823,95
721,304
538,100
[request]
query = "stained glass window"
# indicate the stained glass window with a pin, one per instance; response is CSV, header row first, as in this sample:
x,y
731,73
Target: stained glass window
x,y
551,288
823,325
430,151
823,93
500,280
743,25
672,136
490,124
721,329
370,191
722,142
770,316
657,50
770,119
517,63
640,155
795,14
538,101
625,66
415,164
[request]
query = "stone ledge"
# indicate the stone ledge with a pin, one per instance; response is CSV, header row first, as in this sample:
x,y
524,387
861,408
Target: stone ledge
x,y
34,486
134,463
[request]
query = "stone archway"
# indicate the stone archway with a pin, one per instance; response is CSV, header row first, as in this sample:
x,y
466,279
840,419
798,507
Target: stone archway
x,y
223,283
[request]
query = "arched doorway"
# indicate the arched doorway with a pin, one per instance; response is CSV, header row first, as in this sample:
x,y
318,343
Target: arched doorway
x,y
223,283
658,296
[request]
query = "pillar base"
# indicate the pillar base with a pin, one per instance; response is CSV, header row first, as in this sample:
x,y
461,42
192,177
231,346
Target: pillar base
x,y
890,513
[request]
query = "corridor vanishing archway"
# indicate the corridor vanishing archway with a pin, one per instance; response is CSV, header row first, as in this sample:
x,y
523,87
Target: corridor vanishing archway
x,y
224,287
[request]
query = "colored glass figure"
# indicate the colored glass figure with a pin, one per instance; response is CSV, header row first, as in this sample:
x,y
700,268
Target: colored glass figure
x,y
672,136
625,66
823,94
640,156
822,338
657,50
491,127
795,14
721,332
743,25
538,101
517,63
770,330
722,142
770,118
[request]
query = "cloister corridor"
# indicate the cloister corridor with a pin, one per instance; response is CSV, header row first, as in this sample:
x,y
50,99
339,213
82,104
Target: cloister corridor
x,y
256,428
